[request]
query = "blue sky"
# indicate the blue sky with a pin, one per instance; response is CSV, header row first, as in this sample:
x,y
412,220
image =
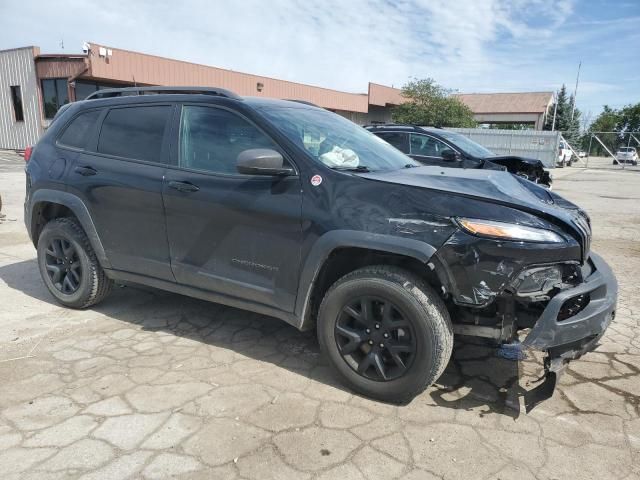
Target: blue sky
x,y
466,45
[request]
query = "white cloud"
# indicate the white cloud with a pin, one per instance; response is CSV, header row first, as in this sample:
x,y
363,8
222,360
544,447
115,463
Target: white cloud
x,y
470,45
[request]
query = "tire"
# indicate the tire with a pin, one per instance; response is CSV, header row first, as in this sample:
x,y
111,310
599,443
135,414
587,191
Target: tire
x,y
415,304
63,240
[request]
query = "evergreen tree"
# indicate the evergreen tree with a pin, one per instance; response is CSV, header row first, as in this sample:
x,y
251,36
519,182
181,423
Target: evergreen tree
x,y
562,112
568,126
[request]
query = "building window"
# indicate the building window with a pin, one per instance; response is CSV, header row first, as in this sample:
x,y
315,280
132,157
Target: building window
x,y
85,88
54,95
16,99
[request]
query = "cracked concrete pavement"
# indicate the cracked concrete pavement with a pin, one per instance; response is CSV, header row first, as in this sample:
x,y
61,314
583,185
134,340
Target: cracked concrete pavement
x,y
154,385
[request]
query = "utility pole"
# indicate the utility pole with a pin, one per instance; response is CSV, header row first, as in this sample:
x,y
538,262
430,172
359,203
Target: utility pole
x,y
555,109
575,91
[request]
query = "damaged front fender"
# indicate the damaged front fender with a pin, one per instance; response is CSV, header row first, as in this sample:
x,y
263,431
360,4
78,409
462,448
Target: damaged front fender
x,y
481,269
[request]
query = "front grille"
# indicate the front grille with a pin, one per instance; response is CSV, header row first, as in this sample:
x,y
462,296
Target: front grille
x,y
582,223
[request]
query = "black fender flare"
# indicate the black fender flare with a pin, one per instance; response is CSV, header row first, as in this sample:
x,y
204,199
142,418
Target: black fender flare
x,y
337,239
79,209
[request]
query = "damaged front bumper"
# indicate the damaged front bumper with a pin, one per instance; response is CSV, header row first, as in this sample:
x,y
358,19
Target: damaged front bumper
x,y
569,339
601,287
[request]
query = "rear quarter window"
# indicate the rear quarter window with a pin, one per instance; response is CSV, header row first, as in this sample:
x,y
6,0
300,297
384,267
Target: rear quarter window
x,y
135,132
77,133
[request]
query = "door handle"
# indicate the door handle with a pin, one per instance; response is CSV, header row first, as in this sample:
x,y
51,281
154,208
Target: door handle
x,y
86,171
186,187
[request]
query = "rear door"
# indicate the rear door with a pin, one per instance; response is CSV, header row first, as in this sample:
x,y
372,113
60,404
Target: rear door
x,y
119,178
238,235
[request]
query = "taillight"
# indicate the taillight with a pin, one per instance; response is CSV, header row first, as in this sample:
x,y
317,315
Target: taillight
x,y
27,153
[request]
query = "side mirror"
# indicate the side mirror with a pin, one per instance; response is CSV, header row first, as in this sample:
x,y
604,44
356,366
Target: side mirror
x,y
261,161
449,155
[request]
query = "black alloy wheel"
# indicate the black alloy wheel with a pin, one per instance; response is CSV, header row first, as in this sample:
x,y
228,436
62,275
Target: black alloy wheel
x,y
375,338
63,265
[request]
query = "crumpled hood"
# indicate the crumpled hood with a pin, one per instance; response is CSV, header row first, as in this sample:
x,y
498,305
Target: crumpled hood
x,y
530,161
488,185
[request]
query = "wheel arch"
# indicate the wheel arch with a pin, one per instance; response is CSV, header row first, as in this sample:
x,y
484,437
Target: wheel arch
x,y
338,252
45,205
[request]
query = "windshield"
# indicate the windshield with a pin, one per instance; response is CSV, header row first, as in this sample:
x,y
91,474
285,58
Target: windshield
x,y
466,144
335,141
627,150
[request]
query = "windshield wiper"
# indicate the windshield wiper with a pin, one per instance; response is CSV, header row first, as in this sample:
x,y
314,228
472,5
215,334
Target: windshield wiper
x,y
359,168
410,165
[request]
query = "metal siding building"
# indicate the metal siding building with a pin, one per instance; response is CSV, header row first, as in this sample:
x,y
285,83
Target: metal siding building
x,y
49,81
18,68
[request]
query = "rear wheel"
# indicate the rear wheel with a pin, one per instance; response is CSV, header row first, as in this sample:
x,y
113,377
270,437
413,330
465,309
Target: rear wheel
x,y
68,265
385,332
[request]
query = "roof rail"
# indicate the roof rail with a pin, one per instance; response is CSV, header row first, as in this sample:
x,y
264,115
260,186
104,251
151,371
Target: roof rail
x,y
133,91
304,102
416,128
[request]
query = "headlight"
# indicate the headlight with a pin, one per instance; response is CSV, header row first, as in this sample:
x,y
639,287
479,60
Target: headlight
x,y
508,231
539,279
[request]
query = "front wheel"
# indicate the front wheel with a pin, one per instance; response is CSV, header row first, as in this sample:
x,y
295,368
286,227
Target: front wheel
x,y
68,265
386,332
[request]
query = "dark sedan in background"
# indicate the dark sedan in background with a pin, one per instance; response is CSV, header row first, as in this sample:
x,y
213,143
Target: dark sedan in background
x,y
437,146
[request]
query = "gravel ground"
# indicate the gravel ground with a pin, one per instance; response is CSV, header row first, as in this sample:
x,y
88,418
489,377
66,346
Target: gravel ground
x,y
154,385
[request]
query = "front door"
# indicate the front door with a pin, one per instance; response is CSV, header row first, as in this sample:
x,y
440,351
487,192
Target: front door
x,y
428,150
238,235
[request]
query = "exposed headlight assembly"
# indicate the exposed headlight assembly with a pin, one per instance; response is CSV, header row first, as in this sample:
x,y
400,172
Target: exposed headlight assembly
x,y
508,231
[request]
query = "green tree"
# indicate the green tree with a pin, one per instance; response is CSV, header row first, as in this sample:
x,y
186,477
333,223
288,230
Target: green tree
x,y
629,120
572,131
607,121
431,104
567,118
620,122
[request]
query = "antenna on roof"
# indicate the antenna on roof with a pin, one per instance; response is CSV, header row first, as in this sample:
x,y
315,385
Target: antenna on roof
x,y
62,43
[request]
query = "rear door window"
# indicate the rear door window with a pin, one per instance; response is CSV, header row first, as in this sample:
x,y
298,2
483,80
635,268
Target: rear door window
x,y
79,130
397,139
135,132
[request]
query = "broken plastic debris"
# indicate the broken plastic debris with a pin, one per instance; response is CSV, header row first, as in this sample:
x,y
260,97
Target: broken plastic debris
x,y
511,351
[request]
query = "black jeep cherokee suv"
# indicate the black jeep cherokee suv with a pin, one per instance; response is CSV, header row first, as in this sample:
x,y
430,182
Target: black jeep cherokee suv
x,y
437,146
286,209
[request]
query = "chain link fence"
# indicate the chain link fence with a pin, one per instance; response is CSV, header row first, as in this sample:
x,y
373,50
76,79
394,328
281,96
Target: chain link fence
x,y
604,150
